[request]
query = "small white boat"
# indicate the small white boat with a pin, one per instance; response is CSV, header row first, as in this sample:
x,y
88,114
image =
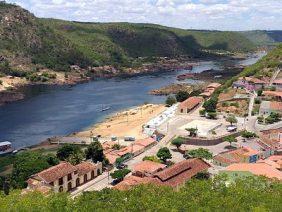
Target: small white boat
x,y
105,108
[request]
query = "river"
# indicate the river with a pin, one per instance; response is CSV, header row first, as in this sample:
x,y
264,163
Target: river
x,y
59,110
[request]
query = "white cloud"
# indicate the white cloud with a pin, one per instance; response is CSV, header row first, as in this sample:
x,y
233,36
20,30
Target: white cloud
x,y
201,14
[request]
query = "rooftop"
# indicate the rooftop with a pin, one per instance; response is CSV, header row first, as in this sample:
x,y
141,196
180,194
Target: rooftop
x,y
145,142
180,172
191,102
149,167
261,169
214,85
272,93
277,81
55,172
85,167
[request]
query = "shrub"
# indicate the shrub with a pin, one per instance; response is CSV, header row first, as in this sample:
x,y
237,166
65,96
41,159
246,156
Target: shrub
x,y
170,101
247,134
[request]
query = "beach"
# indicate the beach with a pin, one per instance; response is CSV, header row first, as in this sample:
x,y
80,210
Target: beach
x,y
125,123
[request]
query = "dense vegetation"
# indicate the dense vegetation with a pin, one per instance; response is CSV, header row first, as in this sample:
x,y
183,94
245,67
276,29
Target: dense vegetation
x,y
32,43
250,194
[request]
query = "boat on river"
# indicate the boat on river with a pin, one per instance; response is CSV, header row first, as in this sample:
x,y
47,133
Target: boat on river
x,y
6,147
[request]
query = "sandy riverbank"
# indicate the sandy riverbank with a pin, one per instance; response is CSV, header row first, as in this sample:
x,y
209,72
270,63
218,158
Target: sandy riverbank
x,y
125,123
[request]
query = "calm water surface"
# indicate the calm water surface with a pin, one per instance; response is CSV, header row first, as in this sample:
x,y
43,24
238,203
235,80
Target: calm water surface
x,y
50,111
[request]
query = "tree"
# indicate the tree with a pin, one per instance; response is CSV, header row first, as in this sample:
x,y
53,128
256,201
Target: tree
x,y
259,92
27,164
119,161
52,159
152,158
199,153
68,150
202,112
193,131
95,152
210,105
182,96
231,119
272,118
177,142
246,134
170,101
116,147
212,115
120,174
164,154
230,139
6,186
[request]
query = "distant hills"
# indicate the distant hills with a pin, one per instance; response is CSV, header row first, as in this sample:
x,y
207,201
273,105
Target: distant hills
x,y
29,42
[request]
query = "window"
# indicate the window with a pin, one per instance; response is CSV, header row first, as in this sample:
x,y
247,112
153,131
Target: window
x,y
61,181
52,183
98,172
181,111
75,172
92,175
69,177
61,189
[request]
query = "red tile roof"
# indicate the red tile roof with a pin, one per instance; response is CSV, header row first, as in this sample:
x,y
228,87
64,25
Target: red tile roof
x,y
148,167
277,81
214,85
256,169
56,172
273,93
85,167
276,106
145,142
191,102
179,173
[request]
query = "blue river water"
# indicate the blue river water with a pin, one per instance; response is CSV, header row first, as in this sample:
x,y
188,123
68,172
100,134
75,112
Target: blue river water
x,y
59,110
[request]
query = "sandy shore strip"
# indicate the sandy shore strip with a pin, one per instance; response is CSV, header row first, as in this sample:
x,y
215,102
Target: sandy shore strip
x,y
125,123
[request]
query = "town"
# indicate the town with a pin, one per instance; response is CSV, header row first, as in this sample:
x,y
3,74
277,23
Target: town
x,y
235,131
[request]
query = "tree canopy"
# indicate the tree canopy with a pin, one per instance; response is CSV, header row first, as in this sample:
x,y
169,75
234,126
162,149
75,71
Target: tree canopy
x,y
181,96
120,174
71,153
246,194
164,154
170,100
231,119
95,152
210,105
177,142
199,153
230,139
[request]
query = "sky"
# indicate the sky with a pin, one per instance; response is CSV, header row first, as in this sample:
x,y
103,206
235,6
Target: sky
x,y
187,14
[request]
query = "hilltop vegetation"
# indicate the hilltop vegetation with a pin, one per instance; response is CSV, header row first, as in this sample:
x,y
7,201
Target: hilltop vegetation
x,y
30,44
247,194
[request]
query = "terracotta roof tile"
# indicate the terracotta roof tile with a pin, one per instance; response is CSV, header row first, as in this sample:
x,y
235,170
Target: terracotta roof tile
x,y
272,93
56,172
262,169
191,102
145,142
149,167
85,167
179,173
276,106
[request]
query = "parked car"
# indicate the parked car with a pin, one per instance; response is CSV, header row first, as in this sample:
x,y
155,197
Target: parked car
x,y
122,166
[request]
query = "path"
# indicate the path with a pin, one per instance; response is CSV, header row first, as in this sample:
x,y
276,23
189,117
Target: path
x,y
251,104
274,76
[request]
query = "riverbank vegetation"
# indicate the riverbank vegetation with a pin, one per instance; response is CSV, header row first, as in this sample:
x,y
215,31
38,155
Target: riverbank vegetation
x,y
247,194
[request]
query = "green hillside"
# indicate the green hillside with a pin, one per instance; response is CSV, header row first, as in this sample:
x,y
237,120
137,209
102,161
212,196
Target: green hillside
x,y
28,42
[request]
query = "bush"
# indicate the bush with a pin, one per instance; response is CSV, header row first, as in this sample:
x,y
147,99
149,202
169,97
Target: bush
x,y
235,104
210,105
225,104
272,118
181,96
202,112
257,101
247,134
170,101
212,115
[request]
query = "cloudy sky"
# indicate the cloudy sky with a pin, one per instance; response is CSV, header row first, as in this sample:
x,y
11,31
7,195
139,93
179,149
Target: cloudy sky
x,y
196,14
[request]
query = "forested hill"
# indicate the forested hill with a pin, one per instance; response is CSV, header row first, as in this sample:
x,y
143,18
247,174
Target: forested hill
x,y
57,44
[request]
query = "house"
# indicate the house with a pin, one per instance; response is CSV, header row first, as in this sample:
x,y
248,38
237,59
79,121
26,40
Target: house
x,y
147,168
272,138
268,107
275,95
275,161
278,84
64,176
189,104
210,89
249,83
240,155
147,143
174,176
259,169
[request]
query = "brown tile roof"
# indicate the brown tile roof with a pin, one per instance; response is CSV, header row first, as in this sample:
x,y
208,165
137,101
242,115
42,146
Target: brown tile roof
x,y
226,160
254,80
132,181
179,173
56,172
272,93
149,167
111,157
276,106
256,169
85,167
277,81
145,142
191,102
214,85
